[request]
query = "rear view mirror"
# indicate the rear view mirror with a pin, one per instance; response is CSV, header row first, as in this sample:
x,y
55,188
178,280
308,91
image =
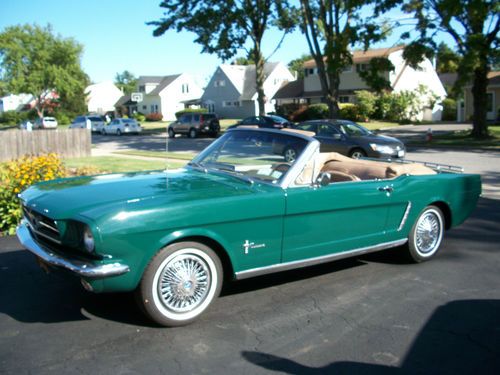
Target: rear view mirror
x,y
323,179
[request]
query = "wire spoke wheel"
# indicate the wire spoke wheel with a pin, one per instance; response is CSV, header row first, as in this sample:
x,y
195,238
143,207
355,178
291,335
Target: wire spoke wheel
x,y
184,283
426,234
180,283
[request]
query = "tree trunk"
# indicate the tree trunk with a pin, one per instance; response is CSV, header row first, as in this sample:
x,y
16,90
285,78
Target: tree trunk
x,y
332,98
259,79
480,101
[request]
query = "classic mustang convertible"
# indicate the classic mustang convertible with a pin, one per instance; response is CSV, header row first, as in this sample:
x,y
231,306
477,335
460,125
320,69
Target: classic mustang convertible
x,y
235,211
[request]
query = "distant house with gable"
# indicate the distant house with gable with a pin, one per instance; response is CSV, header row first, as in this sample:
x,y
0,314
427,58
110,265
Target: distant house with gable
x,y
403,77
165,95
15,102
101,97
232,93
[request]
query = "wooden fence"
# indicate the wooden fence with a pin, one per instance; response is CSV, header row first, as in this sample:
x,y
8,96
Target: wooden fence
x,y
66,143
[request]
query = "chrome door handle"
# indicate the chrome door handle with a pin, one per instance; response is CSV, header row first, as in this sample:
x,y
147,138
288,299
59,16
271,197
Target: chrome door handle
x,y
388,189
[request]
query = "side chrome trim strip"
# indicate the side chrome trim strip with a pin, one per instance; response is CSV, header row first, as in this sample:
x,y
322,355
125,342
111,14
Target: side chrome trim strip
x,y
317,260
405,217
82,268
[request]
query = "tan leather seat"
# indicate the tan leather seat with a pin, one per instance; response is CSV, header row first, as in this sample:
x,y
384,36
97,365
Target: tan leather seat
x,y
343,168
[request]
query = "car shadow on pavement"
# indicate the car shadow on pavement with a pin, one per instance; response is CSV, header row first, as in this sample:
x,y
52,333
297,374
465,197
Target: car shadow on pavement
x,y
31,296
460,337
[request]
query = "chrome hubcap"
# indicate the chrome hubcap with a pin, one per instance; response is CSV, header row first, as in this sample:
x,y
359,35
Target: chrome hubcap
x,y
428,232
357,155
184,283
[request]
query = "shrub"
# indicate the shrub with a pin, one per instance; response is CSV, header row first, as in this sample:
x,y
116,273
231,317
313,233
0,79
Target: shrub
x,y
154,117
139,117
366,104
190,110
312,112
349,111
13,117
16,176
449,110
62,118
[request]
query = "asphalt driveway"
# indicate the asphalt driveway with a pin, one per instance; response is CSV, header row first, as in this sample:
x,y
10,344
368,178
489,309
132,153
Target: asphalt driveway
x,y
375,314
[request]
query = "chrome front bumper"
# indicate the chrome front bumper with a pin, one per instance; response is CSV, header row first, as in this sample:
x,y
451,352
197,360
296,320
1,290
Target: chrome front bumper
x,y
82,268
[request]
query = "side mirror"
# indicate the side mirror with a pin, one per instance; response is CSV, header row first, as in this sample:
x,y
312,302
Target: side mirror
x,y
323,179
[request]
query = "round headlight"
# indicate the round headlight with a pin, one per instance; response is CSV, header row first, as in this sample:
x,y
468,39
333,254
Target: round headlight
x,y
88,240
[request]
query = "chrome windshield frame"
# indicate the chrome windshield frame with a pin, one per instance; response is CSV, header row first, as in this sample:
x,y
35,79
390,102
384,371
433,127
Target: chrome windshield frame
x,y
291,175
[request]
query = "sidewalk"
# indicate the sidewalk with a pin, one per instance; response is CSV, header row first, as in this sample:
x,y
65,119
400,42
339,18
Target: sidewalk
x,y
418,132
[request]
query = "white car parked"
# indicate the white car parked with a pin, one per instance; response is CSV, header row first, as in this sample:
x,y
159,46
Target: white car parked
x,y
82,122
121,126
45,123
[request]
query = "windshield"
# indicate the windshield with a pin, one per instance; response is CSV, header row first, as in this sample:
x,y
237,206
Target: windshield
x,y
353,129
252,155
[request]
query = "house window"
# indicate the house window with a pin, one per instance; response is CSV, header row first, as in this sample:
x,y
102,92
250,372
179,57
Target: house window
x,y
185,88
362,67
220,83
144,107
344,99
154,108
236,104
312,71
142,88
227,104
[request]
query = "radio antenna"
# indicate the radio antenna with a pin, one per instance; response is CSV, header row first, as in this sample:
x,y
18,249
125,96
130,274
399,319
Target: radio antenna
x,y
166,159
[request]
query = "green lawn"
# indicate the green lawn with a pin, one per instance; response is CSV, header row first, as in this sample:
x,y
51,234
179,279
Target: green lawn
x,y
463,139
159,154
115,164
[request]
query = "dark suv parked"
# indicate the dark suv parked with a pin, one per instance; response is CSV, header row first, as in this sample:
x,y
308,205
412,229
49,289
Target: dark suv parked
x,y
193,124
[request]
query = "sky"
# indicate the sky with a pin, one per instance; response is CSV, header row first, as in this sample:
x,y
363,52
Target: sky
x,y
116,38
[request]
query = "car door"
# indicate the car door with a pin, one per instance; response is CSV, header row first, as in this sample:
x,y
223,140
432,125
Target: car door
x,y
113,126
335,218
331,139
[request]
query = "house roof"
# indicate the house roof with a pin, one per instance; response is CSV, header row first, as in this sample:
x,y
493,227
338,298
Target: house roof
x,y
494,78
243,77
448,79
167,80
142,80
293,89
359,57
124,100
249,89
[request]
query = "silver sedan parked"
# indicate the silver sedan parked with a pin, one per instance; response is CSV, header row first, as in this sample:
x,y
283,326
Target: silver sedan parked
x,y
121,126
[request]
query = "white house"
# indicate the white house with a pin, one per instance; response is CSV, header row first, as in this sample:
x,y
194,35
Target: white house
x,y
402,78
101,97
232,93
164,94
15,102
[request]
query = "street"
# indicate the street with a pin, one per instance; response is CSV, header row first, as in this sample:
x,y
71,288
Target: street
x,y
373,314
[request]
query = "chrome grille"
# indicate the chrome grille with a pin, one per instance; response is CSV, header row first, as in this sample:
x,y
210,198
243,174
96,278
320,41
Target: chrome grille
x,y
42,226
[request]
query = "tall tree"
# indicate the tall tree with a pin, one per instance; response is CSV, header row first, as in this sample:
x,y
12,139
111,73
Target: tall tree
x,y
447,60
296,65
35,61
331,28
126,81
224,27
474,26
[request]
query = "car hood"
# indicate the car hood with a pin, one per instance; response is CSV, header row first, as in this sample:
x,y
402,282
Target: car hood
x,y
98,196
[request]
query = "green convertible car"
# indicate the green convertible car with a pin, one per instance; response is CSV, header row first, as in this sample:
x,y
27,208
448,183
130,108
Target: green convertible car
x,y
235,211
